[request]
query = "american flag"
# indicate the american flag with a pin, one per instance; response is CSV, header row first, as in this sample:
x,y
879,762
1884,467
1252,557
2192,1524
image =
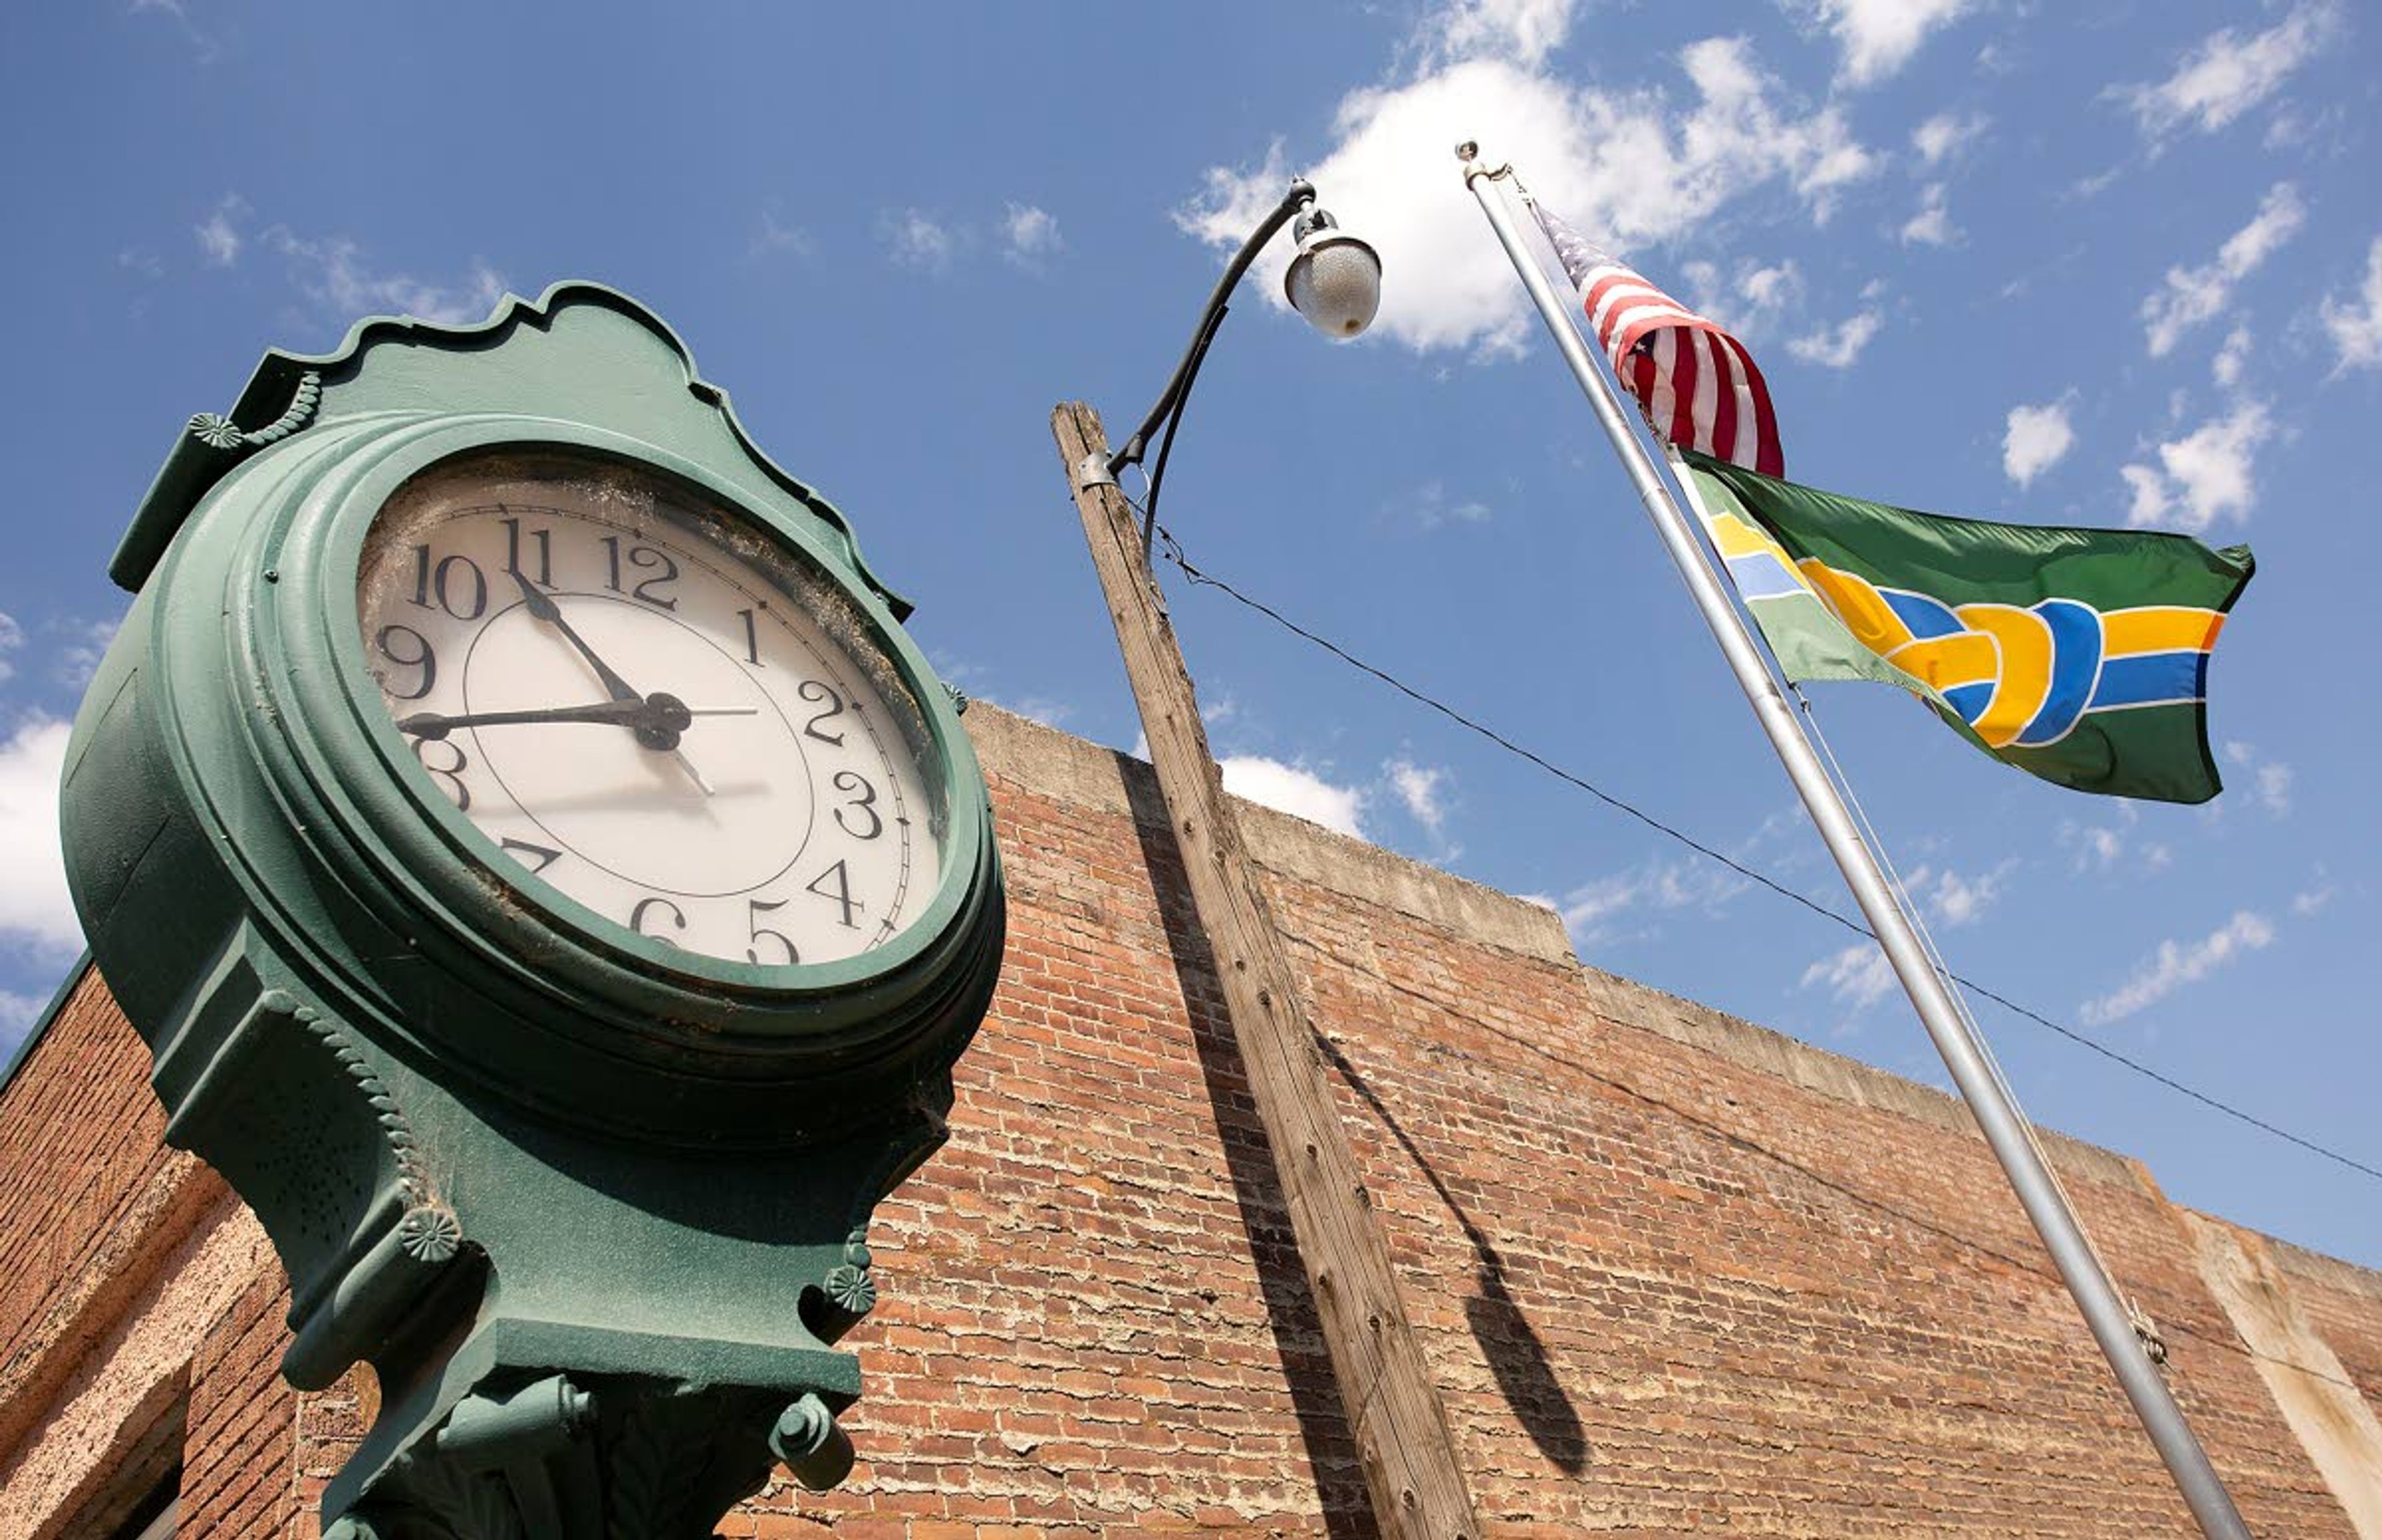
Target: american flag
x,y
1697,384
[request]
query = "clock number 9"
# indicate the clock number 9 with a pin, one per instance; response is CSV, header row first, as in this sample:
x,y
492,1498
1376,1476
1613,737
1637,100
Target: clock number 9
x,y
852,781
421,658
755,909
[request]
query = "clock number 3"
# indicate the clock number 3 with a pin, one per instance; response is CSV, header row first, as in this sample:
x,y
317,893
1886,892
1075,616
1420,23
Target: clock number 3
x,y
852,781
449,776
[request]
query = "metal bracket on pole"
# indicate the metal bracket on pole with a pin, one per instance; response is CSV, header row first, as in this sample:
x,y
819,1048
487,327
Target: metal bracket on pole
x,y
1093,471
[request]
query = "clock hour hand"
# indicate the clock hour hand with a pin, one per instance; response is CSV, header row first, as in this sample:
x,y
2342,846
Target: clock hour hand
x,y
662,715
541,605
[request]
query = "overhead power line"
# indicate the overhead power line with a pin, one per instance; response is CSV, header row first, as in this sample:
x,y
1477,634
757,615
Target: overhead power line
x,y
1172,549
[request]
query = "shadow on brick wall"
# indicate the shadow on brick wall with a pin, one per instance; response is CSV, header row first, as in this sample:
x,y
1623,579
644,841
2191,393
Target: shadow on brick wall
x,y
1525,1375
1256,1185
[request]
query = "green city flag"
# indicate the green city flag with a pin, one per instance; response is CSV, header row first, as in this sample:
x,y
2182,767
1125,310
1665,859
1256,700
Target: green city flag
x,y
2078,655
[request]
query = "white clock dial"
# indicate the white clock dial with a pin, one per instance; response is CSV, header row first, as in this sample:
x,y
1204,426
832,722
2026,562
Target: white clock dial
x,y
646,704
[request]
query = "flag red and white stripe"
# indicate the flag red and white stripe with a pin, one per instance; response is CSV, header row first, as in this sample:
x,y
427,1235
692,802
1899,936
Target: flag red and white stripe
x,y
1698,385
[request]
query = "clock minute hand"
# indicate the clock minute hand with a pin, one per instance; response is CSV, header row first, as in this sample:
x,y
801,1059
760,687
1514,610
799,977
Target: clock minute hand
x,y
653,735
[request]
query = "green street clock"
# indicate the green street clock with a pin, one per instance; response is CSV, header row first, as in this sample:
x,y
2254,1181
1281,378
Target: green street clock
x,y
554,890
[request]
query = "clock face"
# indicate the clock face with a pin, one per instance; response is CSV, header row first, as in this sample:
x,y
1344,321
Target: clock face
x,y
647,704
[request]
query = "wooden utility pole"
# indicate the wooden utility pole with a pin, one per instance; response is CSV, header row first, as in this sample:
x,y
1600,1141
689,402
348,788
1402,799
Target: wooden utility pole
x,y
1401,1429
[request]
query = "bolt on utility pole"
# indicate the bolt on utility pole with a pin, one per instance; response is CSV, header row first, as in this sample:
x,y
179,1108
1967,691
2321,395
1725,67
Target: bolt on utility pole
x,y
1402,1441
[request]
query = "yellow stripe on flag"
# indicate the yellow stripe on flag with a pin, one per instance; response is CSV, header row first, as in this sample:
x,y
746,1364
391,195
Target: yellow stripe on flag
x,y
2158,628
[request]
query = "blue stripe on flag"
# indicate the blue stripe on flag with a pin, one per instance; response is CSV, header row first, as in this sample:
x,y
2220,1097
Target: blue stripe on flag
x,y
1969,699
1759,575
2075,652
2151,677
1926,617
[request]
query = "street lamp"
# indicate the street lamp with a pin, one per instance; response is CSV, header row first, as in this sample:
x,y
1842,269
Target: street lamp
x,y
1336,282
1407,1453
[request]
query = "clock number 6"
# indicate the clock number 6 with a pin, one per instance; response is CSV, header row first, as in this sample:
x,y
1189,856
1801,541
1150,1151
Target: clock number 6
x,y
637,919
755,909
852,781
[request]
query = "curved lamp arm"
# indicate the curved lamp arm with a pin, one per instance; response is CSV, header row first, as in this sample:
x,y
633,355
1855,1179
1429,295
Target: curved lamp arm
x,y
1301,194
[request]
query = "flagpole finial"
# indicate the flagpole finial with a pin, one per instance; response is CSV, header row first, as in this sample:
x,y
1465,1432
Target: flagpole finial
x,y
1468,153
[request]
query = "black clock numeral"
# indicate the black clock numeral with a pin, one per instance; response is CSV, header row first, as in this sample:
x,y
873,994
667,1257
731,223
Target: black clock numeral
x,y
441,581
838,893
649,558
449,776
752,639
853,781
421,657
637,919
542,541
755,909
812,690
537,857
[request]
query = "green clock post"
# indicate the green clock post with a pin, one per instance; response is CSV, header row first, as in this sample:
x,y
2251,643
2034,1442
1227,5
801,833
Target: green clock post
x,y
554,891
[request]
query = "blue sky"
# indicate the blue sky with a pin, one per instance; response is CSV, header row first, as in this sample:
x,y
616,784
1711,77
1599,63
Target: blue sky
x,y
2097,263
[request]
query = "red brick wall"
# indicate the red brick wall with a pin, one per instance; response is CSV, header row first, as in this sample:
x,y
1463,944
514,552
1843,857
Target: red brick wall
x,y
1672,1274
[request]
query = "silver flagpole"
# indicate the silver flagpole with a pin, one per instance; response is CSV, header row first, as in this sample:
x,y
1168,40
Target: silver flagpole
x,y
1896,930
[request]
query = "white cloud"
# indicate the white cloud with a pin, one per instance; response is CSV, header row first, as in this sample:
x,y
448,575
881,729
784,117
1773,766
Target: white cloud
x,y
2175,964
1955,899
1420,791
1524,30
334,272
17,1013
2231,359
86,644
2314,899
1297,791
12,636
34,909
1879,36
919,240
1750,299
2193,294
773,238
1029,234
2105,847
1432,508
1635,165
2228,74
1932,226
2270,779
2204,475
1836,347
1859,977
1592,911
2354,324
2036,439
1945,134
219,238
